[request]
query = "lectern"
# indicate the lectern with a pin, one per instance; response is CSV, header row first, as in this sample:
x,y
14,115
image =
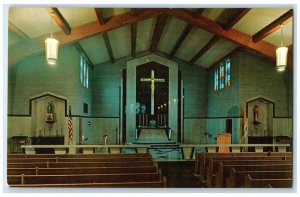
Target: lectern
x,y
224,138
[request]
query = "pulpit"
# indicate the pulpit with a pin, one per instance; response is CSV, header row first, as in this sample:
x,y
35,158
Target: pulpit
x,y
224,138
16,142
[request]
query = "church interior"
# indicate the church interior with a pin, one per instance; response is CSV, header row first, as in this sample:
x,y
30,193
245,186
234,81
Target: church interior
x,y
188,89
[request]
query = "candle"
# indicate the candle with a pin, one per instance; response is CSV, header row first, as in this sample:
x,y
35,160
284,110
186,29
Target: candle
x,y
165,119
143,120
161,119
157,119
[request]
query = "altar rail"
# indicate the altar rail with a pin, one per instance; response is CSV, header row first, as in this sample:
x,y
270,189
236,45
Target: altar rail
x,y
188,150
86,149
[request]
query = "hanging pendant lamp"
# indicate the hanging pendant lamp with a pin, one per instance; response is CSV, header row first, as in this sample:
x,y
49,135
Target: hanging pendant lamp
x,y
281,54
51,47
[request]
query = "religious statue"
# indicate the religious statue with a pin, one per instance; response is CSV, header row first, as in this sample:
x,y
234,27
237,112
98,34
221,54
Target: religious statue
x,y
50,113
255,114
50,107
143,108
137,108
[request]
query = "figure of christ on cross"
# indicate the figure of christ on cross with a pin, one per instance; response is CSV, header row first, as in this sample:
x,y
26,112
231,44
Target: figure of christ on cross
x,y
152,80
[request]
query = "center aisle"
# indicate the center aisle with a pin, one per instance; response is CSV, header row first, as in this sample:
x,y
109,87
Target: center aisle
x,y
180,174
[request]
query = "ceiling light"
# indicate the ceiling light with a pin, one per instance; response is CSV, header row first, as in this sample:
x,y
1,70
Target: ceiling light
x,y
281,54
51,47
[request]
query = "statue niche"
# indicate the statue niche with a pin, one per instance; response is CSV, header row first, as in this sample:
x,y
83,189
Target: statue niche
x,y
50,117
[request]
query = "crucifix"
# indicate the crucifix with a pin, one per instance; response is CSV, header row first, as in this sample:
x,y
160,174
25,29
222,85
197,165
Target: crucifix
x,y
152,80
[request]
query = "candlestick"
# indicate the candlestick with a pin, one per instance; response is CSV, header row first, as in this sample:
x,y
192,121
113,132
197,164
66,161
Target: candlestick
x,y
139,119
146,119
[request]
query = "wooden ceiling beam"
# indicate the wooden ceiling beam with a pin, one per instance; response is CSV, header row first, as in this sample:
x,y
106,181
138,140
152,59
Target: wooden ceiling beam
x,y
108,47
80,32
105,35
99,16
236,18
82,52
60,20
264,48
201,52
275,25
185,33
180,40
198,12
133,39
135,11
158,30
18,31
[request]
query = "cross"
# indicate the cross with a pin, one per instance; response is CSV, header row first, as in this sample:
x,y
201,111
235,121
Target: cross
x,y
152,80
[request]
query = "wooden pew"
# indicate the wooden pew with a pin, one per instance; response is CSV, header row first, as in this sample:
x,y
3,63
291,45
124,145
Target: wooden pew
x,y
261,183
237,178
82,170
83,178
224,170
120,170
79,164
203,158
213,164
59,159
152,184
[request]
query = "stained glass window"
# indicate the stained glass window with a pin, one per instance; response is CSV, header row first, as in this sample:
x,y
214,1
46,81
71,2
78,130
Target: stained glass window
x,y
216,79
222,76
84,72
227,75
81,69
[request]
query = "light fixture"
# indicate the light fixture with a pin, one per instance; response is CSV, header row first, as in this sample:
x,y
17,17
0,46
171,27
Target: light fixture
x,y
281,54
51,47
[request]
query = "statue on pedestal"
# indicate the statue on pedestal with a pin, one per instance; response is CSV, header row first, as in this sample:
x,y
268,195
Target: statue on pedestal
x,y
50,113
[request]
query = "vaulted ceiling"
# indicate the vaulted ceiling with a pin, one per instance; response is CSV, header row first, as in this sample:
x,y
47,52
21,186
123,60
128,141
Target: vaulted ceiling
x,y
198,36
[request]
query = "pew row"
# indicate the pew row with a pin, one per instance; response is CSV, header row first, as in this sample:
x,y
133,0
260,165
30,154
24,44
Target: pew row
x,y
83,178
261,183
80,164
153,184
224,170
213,166
201,162
82,170
237,178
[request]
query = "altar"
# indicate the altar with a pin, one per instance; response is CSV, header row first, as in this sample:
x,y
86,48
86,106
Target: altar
x,y
153,134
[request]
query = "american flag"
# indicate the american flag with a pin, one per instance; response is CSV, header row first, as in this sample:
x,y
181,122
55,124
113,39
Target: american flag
x,y
70,126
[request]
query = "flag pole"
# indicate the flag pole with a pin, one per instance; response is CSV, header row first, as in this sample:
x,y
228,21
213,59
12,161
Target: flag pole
x,y
70,126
